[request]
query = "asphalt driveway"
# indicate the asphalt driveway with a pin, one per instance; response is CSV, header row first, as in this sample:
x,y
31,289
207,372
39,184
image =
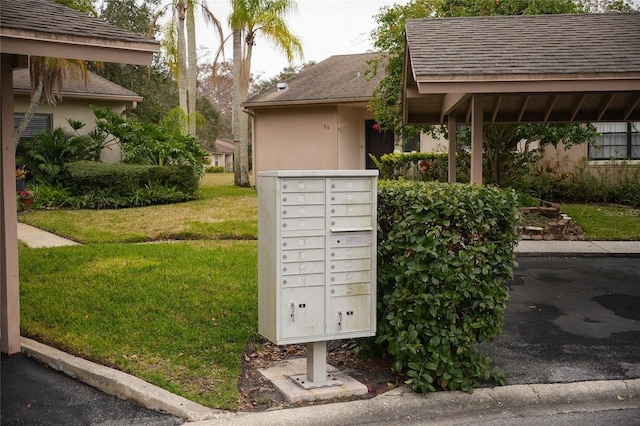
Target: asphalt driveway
x,y
571,319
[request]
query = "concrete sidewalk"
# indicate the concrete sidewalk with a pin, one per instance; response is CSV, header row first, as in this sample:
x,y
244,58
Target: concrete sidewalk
x,y
36,237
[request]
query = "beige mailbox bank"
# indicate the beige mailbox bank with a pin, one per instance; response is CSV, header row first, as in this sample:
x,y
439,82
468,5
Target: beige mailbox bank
x,y
316,260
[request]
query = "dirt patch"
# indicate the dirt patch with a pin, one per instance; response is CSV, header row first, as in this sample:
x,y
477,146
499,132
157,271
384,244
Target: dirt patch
x,y
259,394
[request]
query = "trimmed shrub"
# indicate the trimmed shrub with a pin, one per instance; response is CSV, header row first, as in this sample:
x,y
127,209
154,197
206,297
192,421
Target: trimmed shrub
x,y
445,252
422,166
215,169
99,185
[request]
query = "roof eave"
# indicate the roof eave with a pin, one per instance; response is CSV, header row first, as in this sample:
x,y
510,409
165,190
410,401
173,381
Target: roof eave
x,y
305,102
18,42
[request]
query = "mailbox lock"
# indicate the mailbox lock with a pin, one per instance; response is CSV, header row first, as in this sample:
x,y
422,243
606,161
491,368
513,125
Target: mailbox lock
x,y
333,210
284,199
292,315
284,244
284,281
284,269
333,198
333,222
333,253
333,185
284,225
339,320
284,256
333,279
284,186
284,212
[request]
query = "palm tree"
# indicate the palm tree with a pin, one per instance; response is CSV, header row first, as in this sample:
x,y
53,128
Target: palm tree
x,y
182,51
47,80
248,18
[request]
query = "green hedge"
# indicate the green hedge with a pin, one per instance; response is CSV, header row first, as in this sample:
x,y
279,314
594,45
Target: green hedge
x,y
422,166
445,252
98,185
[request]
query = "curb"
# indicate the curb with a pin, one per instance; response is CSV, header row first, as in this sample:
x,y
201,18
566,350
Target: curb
x,y
394,406
455,407
120,384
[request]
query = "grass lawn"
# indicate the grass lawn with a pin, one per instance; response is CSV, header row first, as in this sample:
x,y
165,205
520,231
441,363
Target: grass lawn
x,y
175,314
223,211
601,222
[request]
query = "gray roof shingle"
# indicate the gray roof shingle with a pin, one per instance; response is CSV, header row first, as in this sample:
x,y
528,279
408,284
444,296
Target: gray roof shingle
x,y
42,16
338,78
97,87
536,44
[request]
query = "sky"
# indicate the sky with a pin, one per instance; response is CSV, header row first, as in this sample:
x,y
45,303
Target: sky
x,y
325,28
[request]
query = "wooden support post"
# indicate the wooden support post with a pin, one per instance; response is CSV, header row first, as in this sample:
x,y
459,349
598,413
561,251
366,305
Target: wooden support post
x,y
452,148
9,287
476,140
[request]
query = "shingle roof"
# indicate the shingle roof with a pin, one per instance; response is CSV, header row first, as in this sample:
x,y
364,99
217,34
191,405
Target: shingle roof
x,y
42,16
97,87
340,78
537,44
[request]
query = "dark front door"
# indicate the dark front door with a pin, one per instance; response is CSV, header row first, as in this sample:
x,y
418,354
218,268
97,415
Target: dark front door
x,y
378,143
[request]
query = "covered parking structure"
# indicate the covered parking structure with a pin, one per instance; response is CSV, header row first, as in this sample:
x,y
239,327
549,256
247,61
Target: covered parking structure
x,y
520,69
41,28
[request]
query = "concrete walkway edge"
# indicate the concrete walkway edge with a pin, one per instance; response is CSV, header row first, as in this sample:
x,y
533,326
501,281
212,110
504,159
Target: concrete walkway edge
x,y
117,383
455,407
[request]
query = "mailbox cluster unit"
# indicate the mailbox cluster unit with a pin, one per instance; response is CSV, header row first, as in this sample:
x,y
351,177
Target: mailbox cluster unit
x,y
316,255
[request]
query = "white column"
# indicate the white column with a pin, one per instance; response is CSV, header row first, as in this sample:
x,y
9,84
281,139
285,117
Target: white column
x,y
476,140
452,148
9,287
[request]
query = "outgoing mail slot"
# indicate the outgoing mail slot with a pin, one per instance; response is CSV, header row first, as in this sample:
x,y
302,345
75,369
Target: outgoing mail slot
x,y
351,239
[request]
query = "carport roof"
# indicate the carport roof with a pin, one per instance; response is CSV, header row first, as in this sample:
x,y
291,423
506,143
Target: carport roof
x,y
555,68
43,28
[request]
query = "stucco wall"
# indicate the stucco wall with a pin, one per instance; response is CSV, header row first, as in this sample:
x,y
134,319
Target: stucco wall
x,y
351,137
295,139
77,110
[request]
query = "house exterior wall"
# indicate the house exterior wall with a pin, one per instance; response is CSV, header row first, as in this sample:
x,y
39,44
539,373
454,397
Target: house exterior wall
x,y
77,110
295,139
351,137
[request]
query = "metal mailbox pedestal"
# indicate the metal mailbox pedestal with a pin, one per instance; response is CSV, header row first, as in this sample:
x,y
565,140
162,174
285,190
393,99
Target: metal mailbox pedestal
x,y
316,260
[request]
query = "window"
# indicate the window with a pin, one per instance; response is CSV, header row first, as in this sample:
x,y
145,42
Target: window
x,y
617,140
38,123
412,144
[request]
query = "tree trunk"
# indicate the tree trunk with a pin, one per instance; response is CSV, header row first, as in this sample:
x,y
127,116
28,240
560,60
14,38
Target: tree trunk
x,y
239,163
191,69
34,104
182,66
